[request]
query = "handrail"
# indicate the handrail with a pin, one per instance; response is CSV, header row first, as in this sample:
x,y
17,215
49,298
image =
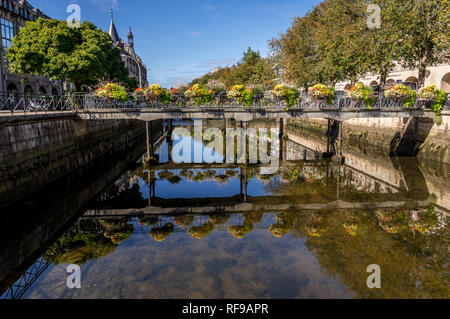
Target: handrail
x,y
88,101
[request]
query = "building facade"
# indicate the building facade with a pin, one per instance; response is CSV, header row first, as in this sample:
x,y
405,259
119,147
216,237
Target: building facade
x,y
136,67
14,14
438,75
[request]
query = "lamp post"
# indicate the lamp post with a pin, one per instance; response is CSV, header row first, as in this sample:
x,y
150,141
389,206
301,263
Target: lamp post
x,y
139,67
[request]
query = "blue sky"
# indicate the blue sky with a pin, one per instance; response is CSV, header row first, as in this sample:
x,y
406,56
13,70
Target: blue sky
x,y
180,40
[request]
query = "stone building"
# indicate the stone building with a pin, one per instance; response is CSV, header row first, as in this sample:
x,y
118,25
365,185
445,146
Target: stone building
x,y
438,75
133,62
14,14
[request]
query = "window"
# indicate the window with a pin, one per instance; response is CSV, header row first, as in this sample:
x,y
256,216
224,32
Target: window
x,y
7,32
7,36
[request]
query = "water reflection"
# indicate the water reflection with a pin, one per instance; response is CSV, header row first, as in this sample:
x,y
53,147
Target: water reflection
x,y
255,254
227,231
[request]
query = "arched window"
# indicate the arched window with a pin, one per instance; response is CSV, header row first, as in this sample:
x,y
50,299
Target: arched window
x,y
445,83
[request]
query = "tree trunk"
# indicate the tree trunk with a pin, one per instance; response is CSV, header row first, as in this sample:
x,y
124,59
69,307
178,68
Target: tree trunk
x,y
422,73
383,78
78,86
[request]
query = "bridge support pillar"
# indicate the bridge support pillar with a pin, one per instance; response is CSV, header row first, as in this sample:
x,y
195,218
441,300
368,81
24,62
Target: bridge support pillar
x,y
339,139
330,149
169,140
244,183
329,136
228,123
150,148
151,186
283,137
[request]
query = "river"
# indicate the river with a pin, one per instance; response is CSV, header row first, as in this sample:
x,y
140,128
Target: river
x,y
310,229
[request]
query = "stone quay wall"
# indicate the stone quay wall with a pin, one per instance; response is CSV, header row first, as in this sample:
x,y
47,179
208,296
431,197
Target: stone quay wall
x,y
35,153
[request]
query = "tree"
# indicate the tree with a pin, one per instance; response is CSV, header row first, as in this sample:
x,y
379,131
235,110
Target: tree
x,y
341,27
251,70
82,55
297,51
424,29
381,45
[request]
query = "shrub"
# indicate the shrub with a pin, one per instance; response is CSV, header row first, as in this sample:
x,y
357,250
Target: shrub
x,y
155,93
322,93
364,93
286,94
432,94
199,94
401,93
112,91
138,94
241,94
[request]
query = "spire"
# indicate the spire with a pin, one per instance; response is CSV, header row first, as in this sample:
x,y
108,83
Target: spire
x,y
112,29
130,39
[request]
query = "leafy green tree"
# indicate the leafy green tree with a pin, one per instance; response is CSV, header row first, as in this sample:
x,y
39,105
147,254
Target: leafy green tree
x,y
342,25
82,55
251,70
297,51
424,29
381,44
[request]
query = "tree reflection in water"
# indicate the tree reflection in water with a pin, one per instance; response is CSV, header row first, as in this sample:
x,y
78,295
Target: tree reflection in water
x,y
344,243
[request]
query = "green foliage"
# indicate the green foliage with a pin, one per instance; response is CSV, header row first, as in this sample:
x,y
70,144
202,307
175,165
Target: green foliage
x,y
322,92
155,93
251,70
199,94
424,32
363,93
433,94
241,94
333,42
411,100
401,92
82,55
439,103
286,94
112,91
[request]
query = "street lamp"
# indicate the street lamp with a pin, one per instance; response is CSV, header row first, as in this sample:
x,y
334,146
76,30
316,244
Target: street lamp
x,y
139,67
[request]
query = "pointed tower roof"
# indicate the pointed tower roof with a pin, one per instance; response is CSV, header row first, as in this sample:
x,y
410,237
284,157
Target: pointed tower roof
x,y
112,29
130,34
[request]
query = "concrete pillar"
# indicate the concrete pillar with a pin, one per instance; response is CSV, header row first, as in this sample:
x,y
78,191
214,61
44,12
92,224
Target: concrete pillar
x,y
283,139
245,184
340,128
329,136
150,148
149,187
228,123
241,177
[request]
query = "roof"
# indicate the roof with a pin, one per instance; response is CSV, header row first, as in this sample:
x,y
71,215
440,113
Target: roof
x,y
112,30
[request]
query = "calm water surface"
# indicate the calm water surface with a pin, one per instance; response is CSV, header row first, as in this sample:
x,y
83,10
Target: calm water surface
x,y
309,231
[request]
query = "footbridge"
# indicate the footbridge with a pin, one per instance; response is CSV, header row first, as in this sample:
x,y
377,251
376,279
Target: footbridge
x,y
89,107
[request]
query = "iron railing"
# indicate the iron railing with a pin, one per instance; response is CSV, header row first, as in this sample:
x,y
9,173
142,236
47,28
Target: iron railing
x,y
86,101
20,287
33,103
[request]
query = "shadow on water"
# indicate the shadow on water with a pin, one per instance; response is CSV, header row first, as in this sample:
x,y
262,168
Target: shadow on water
x,y
222,231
